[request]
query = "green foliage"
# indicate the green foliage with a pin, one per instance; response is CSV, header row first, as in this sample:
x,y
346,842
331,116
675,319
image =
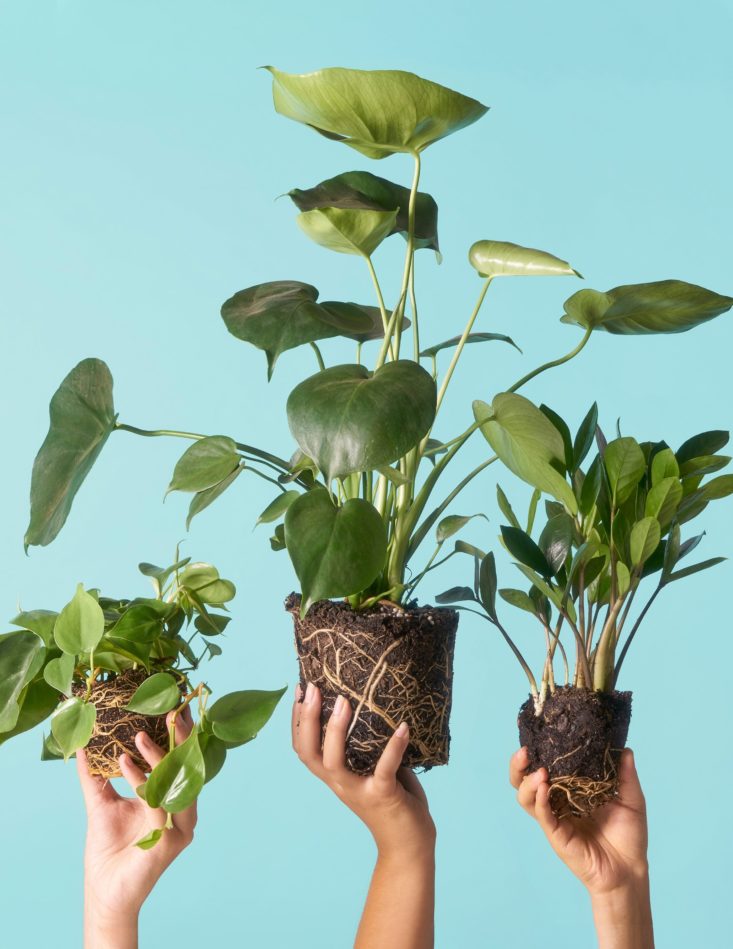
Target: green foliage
x,y
503,259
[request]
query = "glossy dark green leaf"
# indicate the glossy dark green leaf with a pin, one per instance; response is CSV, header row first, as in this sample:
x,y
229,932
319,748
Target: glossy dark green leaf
x,y
176,781
82,418
215,752
706,443
705,464
695,568
40,622
719,487
18,655
80,625
455,595
526,442
357,322
488,584
360,189
556,540
150,839
664,306
471,338
336,551
504,259
349,419
158,694
72,725
644,540
561,425
59,672
377,112
277,541
239,716
625,466
138,623
592,485
277,508
347,231
521,546
671,552
452,524
205,464
553,594
584,437
202,499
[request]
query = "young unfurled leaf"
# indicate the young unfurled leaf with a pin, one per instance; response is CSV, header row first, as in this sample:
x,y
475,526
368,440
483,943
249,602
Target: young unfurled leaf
x,y
158,694
452,524
82,419
72,725
238,717
205,464
504,259
80,625
275,509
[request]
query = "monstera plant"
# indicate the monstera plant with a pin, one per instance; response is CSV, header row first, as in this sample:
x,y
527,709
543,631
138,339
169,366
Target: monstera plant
x,y
104,668
612,530
367,483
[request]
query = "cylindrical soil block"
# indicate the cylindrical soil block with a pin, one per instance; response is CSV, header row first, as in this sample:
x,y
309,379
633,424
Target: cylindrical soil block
x,y
578,736
392,664
115,728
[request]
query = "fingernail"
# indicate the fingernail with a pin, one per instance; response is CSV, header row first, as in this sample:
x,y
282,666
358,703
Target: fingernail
x,y
310,693
402,730
298,693
339,706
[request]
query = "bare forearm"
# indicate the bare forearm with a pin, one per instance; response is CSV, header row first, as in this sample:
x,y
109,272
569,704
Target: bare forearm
x,y
623,917
102,931
400,905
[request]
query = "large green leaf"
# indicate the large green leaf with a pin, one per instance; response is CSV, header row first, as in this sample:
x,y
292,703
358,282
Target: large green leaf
x,y
664,306
504,259
205,464
176,781
158,694
706,443
377,112
238,717
36,703
348,419
520,545
362,190
283,314
40,622
527,442
72,725
80,625
625,466
556,540
336,551
663,499
471,338
347,231
82,418
18,654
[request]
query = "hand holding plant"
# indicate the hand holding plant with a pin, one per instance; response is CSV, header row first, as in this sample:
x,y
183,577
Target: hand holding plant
x,y
606,852
393,805
118,877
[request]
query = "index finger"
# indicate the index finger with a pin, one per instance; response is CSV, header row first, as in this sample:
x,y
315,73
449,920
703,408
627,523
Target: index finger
x,y
518,764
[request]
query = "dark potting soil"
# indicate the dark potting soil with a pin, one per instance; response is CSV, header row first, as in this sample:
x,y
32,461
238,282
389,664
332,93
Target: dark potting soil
x,y
392,664
578,737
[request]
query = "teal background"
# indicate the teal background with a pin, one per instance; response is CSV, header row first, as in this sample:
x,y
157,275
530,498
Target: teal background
x,y
140,161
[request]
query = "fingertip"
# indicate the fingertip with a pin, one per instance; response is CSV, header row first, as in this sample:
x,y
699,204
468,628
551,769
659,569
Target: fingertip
x,y
402,732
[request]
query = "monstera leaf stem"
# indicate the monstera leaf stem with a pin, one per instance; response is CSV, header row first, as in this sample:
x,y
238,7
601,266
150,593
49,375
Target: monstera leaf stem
x,y
461,344
555,362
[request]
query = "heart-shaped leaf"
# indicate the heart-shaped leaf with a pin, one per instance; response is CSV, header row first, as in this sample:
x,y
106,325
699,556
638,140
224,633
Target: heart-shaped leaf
x,y
176,781
504,259
347,231
40,622
362,190
527,442
205,464
18,654
348,419
664,306
82,418
80,625
336,551
59,673
471,338
158,694
377,112
238,717
72,725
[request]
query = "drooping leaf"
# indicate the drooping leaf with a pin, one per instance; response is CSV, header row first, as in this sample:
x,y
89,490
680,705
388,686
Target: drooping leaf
x,y
277,508
238,717
504,259
18,654
664,306
176,781
205,463
82,418
72,725
156,695
706,443
471,338
521,546
40,622
644,540
347,231
377,112
625,466
455,595
526,442
362,190
202,499
336,551
80,625
348,419
366,321
452,524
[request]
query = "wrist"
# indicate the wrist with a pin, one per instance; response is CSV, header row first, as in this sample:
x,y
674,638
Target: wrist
x,y
411,851
622,914
109,928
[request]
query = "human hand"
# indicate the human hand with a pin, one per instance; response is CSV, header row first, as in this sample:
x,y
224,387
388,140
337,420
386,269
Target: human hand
x,y
391,802
607,852
118,876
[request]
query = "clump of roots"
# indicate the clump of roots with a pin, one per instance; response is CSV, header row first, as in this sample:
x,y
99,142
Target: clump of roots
x,y
116,727
576,796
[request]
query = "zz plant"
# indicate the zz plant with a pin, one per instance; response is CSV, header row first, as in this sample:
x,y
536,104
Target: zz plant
x,y
612,530
367,483
104,668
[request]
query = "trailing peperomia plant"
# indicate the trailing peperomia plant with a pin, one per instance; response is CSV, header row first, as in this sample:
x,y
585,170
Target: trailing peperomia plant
x,y
612,529
105,668
366,485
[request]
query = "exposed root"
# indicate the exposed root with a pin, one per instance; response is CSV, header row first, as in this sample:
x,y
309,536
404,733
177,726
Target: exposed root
x,y
575,796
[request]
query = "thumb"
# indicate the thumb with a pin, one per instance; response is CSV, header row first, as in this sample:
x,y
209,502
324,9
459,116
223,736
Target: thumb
x,y
629,787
